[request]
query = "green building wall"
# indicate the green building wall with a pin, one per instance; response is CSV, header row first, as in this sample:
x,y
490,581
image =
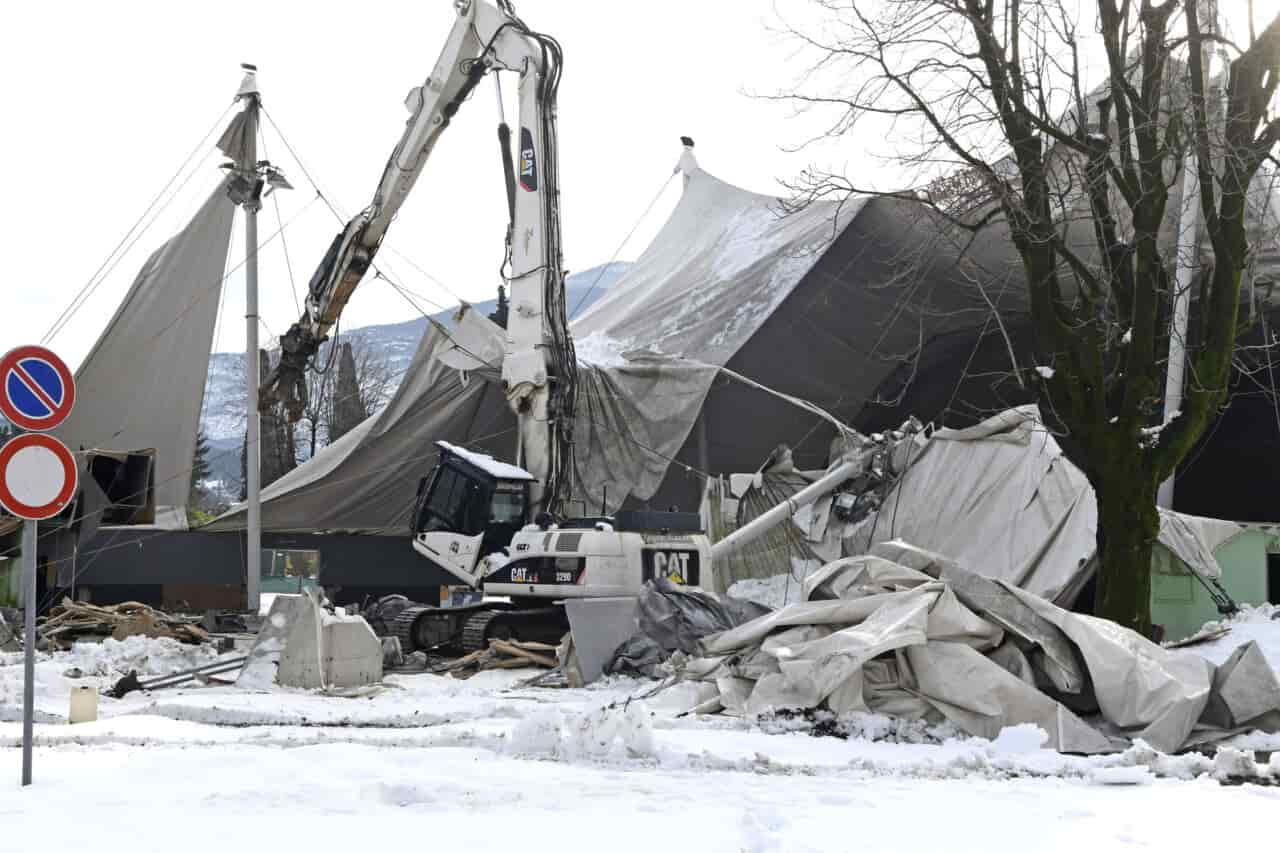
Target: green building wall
x,y
1179,601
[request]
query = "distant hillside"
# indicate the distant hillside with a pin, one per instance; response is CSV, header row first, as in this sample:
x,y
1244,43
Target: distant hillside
x,y
224,394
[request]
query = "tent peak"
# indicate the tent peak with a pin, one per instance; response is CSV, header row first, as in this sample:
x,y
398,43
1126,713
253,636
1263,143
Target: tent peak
x,y
688,162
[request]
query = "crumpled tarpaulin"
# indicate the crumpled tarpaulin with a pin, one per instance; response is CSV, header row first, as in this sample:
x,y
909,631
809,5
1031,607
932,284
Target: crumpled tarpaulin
x,y
935,641
1002,498
673,618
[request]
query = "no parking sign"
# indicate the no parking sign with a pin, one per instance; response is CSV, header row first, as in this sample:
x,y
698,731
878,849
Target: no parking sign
x,y
37,472
37,391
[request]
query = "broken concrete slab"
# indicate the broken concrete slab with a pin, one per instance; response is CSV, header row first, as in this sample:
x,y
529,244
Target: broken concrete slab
x,y
259,671
301,660
599,626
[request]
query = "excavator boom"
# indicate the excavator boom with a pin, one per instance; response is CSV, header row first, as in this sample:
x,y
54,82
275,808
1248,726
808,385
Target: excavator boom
x,y
485,37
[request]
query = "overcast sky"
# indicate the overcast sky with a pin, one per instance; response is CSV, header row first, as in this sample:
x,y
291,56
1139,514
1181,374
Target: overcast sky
x,y
105,100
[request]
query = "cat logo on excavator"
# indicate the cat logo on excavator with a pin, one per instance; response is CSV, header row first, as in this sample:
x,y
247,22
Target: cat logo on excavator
x,y
528,162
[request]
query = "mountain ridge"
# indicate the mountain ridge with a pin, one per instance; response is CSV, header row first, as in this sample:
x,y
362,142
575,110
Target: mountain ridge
x,y
222,415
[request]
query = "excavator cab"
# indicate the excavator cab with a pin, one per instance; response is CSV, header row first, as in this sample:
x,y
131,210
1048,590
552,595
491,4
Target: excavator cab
x,y
468,507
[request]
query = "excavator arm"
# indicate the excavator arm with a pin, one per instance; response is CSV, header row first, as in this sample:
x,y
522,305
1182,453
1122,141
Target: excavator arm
x,y
484,38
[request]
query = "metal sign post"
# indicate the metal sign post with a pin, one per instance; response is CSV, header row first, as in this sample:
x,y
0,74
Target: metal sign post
x,y
28,645
38,479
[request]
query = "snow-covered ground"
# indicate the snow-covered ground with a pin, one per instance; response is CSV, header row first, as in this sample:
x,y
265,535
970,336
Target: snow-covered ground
x,y
487,764
1260,623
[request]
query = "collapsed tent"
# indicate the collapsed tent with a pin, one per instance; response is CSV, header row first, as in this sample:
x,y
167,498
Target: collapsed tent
x,y
1000,496
367,480
821,304
141,386
911,634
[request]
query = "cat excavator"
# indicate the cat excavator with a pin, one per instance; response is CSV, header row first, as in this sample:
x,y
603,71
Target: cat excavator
x,y
493,525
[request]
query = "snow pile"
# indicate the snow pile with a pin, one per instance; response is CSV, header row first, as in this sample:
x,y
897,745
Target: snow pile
x,y
147,656
1020,739
599,349
609,732
1260,624
95,665
773,592
1232,763
1135,775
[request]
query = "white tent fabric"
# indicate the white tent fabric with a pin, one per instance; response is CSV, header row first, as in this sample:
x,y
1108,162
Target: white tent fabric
x,y
1001,499
716,272
142,384
948,644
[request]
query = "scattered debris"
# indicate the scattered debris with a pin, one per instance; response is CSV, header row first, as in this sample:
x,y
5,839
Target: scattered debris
x,y
501,654
1207,634
675,618
392,654
72,620
223,622
130,682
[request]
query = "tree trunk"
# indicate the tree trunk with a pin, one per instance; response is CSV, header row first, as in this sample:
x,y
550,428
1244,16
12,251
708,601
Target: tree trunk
x,y
1128,525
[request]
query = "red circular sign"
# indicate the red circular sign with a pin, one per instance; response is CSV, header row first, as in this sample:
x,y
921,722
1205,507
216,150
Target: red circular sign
x,y
37,391
38,476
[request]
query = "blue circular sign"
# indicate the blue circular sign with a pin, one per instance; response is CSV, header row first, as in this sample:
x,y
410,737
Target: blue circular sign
x,y
37,390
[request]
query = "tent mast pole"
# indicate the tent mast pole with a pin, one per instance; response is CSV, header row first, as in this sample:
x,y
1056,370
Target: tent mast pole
x,y
1187,261
253,437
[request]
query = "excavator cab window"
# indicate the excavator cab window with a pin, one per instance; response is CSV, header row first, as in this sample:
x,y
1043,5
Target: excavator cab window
x,y
508,504
460,499
454,502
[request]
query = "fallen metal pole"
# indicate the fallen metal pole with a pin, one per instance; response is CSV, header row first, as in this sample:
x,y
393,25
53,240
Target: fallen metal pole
x,y
759,526
131,681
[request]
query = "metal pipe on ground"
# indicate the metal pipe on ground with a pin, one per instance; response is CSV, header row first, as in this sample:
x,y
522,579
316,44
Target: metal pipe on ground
x,y
773,517
131,681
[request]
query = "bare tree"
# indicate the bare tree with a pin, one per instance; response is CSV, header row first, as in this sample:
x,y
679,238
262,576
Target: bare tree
x,y
989,105
316,411
277,454
356,382
374,377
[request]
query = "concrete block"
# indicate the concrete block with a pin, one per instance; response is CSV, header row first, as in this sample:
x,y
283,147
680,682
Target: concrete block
x,y
351,652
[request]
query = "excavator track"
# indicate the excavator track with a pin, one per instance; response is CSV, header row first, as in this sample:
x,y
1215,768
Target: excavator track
x,y
541,624
424,628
